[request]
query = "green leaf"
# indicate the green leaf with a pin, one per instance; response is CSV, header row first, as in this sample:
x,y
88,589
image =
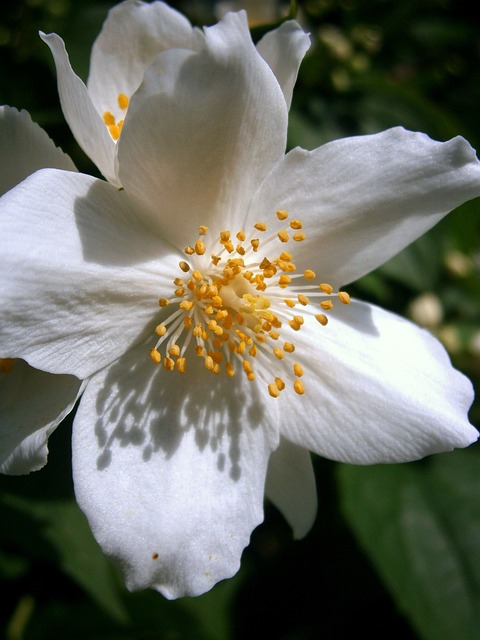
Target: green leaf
x,y
419,524
58,531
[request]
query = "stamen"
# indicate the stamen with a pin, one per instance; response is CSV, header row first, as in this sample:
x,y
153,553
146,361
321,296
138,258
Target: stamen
x,y
232,304
122,101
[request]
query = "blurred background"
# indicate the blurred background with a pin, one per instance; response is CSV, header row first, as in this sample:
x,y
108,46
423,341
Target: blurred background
x,y
395,551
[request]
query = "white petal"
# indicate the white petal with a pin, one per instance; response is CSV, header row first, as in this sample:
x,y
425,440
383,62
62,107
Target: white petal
x,y
377,389
82,277
83,119
32,405
170,471
364,199
132,35
25,147
283,49
222,127
291,486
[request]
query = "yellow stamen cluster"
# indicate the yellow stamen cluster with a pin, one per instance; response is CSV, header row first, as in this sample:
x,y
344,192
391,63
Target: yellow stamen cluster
x,y
230,302
115,126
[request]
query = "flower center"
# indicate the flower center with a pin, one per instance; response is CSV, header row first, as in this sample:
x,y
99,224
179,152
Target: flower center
x,y
115,126
239,309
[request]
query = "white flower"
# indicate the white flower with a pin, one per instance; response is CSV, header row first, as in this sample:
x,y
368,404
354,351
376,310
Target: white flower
x,y
189,265
132,36
25,425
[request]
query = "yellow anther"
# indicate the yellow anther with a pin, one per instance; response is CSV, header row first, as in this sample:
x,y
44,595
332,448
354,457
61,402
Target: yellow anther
x,y
290,303
344,297
202,230
155,356
299,388
229,369
326,288
253,351
186,305
215,259
114,131
174,351
178,282
196,275
255,244
108,119
303,299
188,322
296,224
294,325
181,365
308,274
284,281
189,251
122,101
322,319
184,266
200,247
260,226
241,250
229,246
299,319
224,236
241,236
217,356
282,214
169,364
283,235
278,353
298,370
160,330
163,302
326,304
199,350
209,363
286,256
274,335
298,236
247,367
179,292
273,390
280,384
289,347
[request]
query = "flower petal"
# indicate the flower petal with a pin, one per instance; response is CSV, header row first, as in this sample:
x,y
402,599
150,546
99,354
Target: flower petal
x,y
132,35
291,486
222,127
32,405
170,470
25,148
283,49
364,199
83,119
377,389
83,277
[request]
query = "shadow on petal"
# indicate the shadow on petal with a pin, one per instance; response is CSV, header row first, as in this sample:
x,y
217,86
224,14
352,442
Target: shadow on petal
x,y
111,232
142,405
